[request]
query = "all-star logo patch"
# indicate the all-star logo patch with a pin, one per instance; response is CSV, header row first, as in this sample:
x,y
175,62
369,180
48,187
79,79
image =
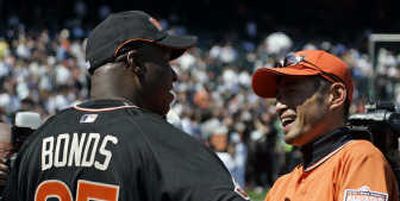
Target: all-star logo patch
x,y
88,118
364,194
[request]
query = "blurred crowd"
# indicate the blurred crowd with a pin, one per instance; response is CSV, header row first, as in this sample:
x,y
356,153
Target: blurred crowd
x,y
46,72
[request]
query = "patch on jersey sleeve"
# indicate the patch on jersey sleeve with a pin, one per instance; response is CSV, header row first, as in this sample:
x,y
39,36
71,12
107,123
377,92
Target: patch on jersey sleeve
x,y
240,191
88,118
364,193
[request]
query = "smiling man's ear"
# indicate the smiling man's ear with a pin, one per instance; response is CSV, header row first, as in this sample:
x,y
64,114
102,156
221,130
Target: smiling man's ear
x,y
337,95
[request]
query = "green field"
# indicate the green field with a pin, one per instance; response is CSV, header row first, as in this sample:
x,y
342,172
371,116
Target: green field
x,y
256,196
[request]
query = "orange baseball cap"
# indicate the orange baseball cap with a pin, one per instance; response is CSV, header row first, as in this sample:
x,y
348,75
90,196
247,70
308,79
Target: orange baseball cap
x,y
303,63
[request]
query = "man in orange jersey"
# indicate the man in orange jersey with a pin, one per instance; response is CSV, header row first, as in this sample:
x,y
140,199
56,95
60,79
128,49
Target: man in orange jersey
x,y
314,90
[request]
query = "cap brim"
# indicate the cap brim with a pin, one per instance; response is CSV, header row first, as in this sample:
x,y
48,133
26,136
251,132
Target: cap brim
x,y
178,44
264,80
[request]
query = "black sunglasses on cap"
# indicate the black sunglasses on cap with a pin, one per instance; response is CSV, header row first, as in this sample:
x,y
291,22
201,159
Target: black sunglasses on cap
x,y
292,60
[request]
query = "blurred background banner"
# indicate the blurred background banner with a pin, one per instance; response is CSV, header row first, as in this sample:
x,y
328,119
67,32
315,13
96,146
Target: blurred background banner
x,y
341,19
385,81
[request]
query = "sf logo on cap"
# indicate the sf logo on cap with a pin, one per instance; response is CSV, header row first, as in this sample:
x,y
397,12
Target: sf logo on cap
x,y
155,23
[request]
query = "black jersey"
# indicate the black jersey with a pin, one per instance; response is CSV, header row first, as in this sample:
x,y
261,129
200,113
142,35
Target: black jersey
x,y
109,150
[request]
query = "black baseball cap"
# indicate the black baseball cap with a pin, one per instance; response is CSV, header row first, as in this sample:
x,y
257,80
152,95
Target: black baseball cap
x,y
119,29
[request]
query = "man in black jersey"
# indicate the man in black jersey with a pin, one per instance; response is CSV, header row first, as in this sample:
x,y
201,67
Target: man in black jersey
x,y
118,145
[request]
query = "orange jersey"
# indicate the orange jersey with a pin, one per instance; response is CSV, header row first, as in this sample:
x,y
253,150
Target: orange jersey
x,y
357,170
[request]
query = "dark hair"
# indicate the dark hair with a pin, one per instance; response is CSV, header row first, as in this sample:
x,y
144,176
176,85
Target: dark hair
x,y
322,86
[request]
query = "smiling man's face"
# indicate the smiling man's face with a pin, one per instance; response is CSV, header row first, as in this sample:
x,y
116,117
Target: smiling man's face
x,y
301,107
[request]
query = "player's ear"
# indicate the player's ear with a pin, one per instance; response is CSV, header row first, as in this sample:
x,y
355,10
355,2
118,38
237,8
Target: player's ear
x,y
133,64
337,96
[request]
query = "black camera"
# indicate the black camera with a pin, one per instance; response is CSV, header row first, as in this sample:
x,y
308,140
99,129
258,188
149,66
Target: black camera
x,y
25,123
383,113
382,122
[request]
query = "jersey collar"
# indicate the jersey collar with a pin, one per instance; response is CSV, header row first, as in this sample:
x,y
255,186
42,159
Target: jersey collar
x,y
105,104
321,149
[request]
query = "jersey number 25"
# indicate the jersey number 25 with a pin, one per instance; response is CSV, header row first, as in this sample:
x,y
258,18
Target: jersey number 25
x,y
86,191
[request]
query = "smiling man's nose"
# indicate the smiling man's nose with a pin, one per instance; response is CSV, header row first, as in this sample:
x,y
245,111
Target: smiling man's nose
x,y
280,107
